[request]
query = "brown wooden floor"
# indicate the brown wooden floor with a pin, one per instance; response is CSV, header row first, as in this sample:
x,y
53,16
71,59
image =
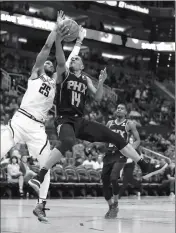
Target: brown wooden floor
x,y
148,215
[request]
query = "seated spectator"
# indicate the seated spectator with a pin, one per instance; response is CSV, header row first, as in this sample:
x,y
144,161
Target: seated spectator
x,y
89,163
13,105
169,179
6,118
13,92
15,152
14,175
2,121
25,169
99,163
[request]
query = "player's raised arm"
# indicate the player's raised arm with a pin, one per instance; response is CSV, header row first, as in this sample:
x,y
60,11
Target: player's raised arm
x,y
44,53
132,128
62,64
77,46
97,92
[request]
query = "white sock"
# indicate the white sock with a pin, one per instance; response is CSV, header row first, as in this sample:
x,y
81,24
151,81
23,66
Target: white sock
x,y
45,186
41,200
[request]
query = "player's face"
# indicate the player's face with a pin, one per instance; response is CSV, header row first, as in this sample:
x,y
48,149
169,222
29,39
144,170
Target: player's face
x,y
49,67
121,111
76,63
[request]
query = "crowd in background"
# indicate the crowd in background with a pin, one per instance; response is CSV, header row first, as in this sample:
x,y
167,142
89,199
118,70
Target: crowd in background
x,y
133,85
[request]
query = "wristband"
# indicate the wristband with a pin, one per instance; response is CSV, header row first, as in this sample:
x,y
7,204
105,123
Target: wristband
x,y
78,41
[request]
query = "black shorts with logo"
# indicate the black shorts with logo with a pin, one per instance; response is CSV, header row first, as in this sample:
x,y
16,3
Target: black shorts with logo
x,y
113,163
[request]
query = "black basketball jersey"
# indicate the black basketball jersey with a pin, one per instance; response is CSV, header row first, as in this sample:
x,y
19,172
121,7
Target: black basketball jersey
x,y
71,96
120,129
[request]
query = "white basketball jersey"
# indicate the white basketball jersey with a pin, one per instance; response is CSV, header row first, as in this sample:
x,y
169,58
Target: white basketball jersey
x,y
39,96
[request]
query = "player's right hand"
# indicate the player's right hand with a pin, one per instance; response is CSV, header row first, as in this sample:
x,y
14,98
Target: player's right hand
x,y
103,75
82,33
63,31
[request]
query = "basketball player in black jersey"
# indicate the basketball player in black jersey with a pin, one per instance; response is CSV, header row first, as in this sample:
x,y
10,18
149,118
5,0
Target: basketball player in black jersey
x,y
70,123
114,161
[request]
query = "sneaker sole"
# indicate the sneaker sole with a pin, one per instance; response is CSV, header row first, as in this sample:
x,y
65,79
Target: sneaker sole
x,y
35,184
43,221
155,172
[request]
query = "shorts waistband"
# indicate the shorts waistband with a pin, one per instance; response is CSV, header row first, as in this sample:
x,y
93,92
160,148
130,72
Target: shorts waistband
x,y
29,115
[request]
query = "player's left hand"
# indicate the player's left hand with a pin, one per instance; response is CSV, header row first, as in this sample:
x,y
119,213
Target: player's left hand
x,y
82,33
103,75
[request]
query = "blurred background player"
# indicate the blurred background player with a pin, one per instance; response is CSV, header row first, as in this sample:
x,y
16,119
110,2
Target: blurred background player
x,y
114,161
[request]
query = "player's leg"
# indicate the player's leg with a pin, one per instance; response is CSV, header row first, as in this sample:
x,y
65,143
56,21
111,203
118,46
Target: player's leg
x,y
11,134
7,140
39,147
107,191
124,186
96,132
67,138
114,177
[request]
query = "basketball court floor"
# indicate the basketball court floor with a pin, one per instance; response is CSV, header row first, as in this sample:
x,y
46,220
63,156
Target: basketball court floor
x,y
147,215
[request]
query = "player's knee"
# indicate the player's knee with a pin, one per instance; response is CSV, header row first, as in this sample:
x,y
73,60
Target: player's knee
x,y
66,145
114,177
47,176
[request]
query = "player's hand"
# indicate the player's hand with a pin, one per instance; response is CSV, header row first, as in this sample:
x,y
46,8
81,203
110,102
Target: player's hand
x,y
82,33
60,17
103,75
62,32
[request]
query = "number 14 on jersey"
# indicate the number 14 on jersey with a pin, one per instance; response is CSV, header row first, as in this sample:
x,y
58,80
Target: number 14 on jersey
x,y
76,98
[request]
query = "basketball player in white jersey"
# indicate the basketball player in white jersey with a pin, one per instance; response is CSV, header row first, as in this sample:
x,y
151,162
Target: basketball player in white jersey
x,y
27,125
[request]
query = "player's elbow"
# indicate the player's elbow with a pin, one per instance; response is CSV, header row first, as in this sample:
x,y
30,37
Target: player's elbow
x,y
46,47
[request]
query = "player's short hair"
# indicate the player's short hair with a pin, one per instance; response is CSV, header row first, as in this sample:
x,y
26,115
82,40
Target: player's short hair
x,y
53,60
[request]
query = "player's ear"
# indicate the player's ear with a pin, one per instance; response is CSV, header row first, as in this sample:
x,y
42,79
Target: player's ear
x,y
82,67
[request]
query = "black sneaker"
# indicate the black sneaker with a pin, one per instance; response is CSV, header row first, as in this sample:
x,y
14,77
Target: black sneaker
x,y
39,212
114,210
154,171
35,184
107,215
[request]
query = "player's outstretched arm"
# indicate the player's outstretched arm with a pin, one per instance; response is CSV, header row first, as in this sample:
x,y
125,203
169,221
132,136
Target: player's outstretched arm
x,y
77,46
97,92
132,128
62,64
44,53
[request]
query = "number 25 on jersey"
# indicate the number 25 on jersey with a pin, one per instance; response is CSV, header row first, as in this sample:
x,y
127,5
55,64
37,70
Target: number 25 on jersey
x,y
76,98
45,89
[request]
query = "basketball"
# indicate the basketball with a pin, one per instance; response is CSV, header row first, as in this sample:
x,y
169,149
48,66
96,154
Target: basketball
x,y
73,28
